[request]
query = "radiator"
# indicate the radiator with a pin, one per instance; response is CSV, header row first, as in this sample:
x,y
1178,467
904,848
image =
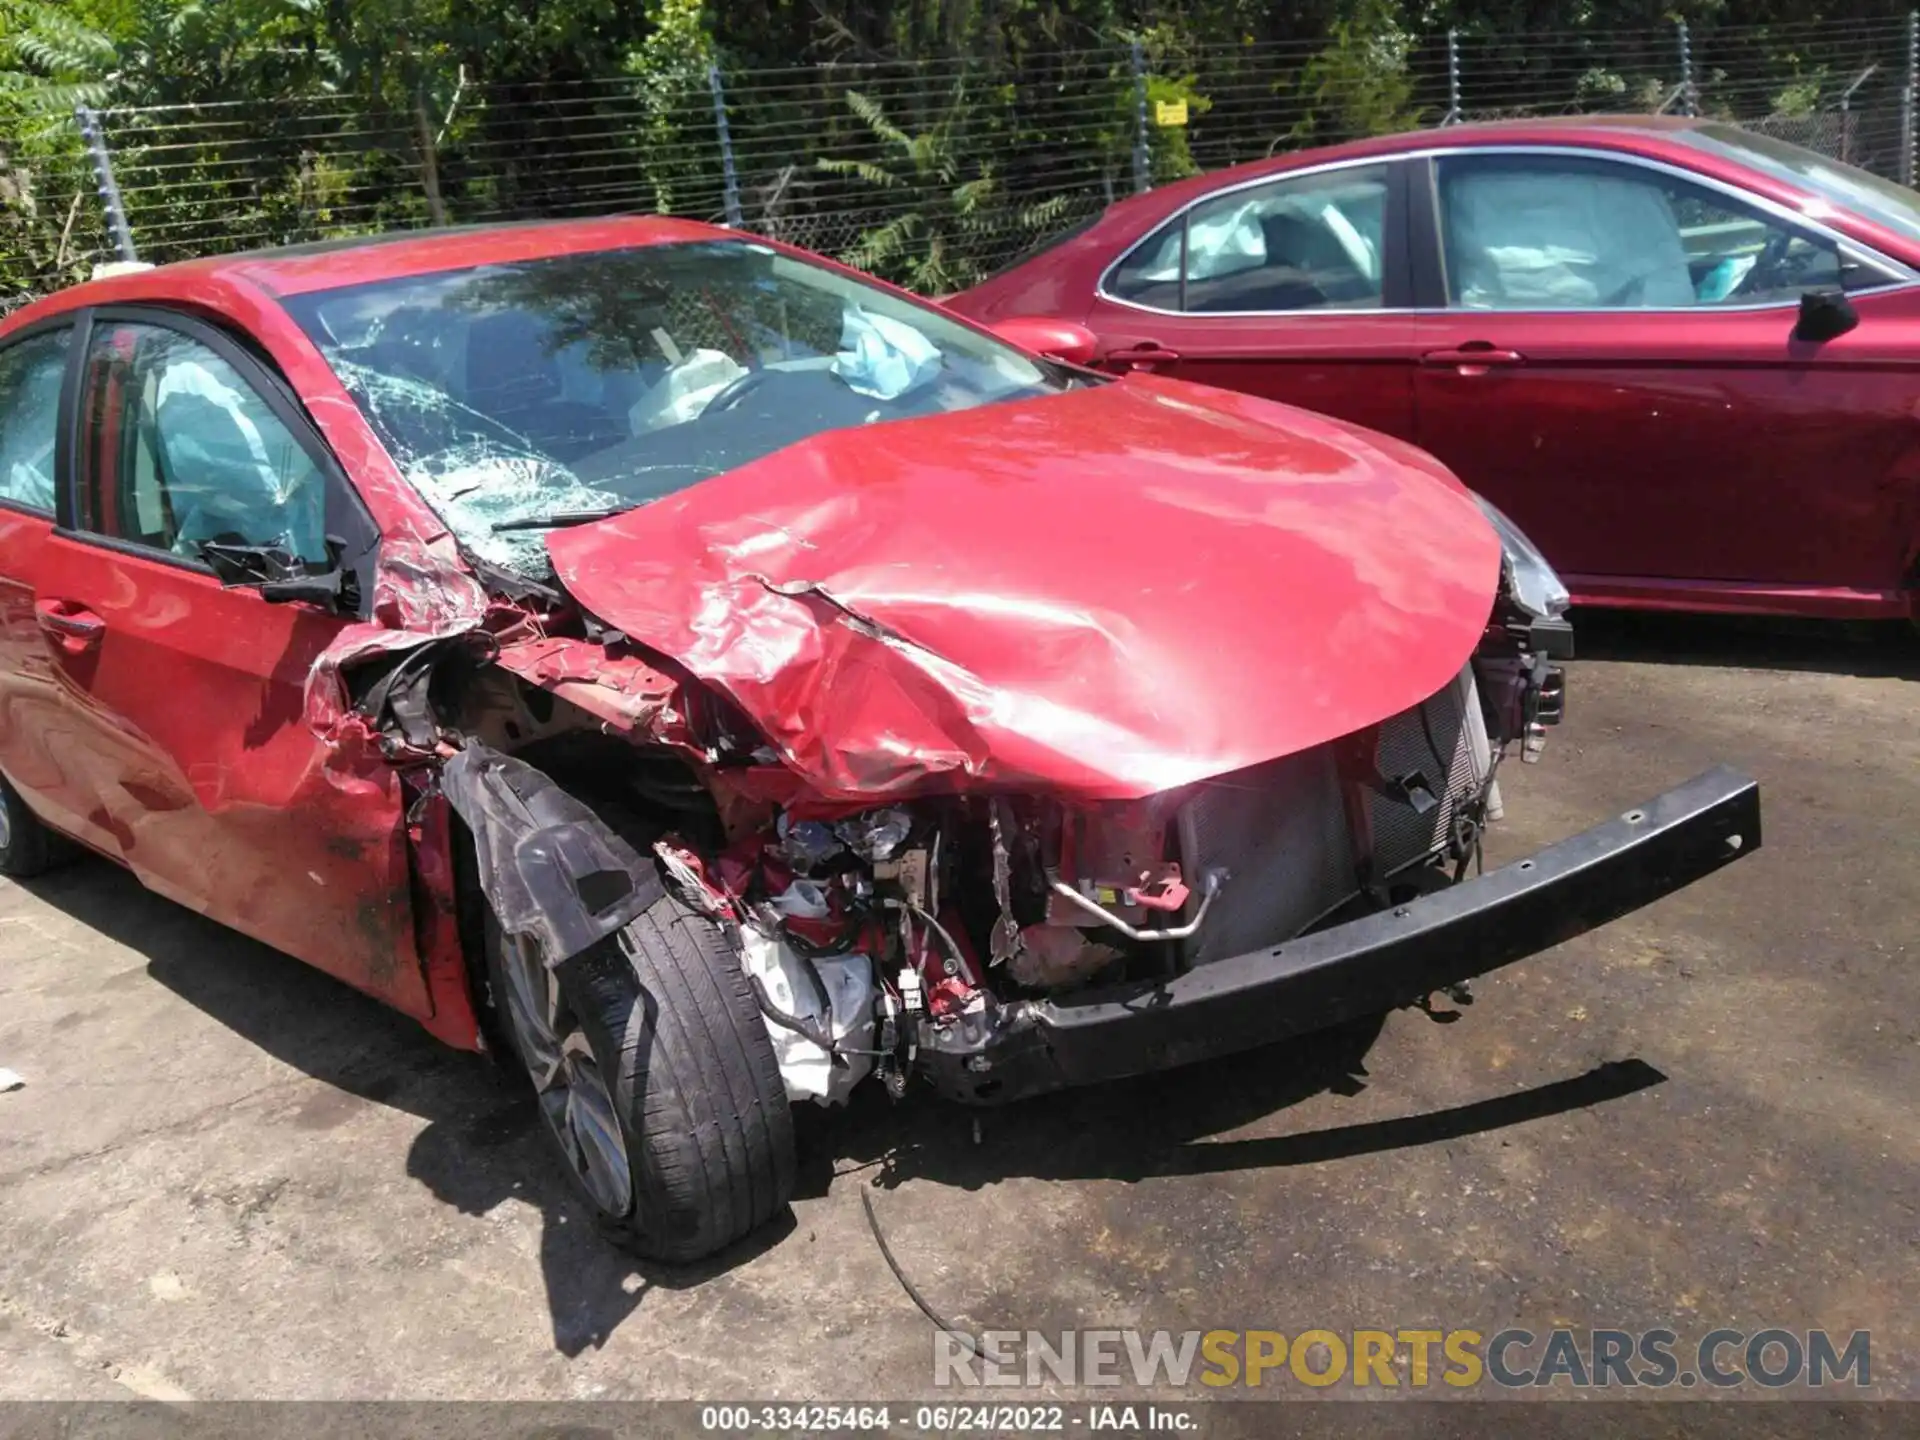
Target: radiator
x,y
1450,750
1280,828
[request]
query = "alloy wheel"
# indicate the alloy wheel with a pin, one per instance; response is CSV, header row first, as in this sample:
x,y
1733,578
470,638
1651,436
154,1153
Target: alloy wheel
x,y
574,1097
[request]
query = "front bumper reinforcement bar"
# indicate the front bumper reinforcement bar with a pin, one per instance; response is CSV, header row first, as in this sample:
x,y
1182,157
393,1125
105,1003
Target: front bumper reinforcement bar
x,y
1364,967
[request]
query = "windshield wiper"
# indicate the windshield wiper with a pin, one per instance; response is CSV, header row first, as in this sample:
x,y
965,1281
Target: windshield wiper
x,y
559,519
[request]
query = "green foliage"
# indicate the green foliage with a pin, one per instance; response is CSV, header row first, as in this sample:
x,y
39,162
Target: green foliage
x,y
1801,98
48,229
1170,157
50,61
1598,84
51,40
927,139
1360,83
670,74
946,212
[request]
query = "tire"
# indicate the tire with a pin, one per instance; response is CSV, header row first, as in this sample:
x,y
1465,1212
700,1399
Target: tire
x,y
648,1052
27,847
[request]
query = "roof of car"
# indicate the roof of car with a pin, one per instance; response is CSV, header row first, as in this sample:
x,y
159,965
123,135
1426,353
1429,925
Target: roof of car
x,y
328,264
1602,130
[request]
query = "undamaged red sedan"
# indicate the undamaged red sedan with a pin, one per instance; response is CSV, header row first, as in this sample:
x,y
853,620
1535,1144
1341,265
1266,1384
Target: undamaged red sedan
x,y
1684,357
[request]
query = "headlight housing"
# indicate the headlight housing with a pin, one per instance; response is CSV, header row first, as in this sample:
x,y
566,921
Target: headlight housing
x,y
1531,581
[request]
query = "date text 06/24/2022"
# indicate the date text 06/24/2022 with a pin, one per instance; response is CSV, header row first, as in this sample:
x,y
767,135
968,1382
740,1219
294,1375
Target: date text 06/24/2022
x,y
946,1418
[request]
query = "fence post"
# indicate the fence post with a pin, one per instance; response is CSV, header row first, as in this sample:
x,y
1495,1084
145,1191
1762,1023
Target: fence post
x,y
1846,112
109,188
429,158
1689,97
1453,78
1142,171
729,180
1907,98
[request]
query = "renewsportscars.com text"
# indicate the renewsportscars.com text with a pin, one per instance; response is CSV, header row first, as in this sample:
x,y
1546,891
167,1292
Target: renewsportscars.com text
x,y
1419,1359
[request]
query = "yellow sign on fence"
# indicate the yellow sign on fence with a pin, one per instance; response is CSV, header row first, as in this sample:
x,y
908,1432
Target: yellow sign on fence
x,y
1170,112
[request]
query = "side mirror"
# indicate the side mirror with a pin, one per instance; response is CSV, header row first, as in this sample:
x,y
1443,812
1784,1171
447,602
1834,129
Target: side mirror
x,y
281,577
1824,315
1066,340
329,590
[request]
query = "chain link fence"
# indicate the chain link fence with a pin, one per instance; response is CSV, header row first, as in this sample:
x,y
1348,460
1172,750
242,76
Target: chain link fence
x,y
933,173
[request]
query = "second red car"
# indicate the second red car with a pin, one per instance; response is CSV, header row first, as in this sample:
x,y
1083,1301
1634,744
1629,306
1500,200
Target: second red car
x,y
1685,358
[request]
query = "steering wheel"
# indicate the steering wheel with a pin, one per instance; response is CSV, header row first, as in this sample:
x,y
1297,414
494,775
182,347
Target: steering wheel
x,y
1767,265
736,390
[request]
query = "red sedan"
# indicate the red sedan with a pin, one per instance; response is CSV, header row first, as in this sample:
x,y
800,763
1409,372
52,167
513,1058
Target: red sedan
x,y
715,680
1685,358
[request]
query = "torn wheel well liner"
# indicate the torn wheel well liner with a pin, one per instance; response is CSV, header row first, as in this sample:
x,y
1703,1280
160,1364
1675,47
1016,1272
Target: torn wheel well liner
x,y
555,873
641,791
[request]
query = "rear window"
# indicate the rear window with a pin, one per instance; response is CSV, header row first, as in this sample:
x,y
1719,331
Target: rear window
x,y
1302,242
31,372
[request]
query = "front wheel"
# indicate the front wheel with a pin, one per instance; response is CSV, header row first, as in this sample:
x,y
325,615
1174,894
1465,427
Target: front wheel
x,y
656,1079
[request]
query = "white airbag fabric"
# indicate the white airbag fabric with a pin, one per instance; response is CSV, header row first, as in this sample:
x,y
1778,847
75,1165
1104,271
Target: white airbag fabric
x,y
1574,241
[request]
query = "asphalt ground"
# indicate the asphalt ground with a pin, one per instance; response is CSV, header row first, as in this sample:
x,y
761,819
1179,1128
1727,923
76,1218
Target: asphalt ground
x,y
228,1177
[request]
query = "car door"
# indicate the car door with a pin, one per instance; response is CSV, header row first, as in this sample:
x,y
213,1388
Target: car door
x,y
1294,288
1611,359
36,709
200,769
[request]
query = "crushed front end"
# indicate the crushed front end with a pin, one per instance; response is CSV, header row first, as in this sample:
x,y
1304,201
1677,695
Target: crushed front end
x,y
1002,945
1011,809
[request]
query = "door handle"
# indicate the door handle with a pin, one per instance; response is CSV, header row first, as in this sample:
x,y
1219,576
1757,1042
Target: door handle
x,y
1475,357
73,627
1141,357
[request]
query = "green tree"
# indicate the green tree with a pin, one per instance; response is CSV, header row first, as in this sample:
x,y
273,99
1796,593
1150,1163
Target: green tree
x,y
945,211
1360,83
51,60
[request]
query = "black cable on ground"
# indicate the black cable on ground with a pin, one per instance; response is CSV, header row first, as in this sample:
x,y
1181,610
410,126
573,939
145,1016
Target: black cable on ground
x,y
886,1253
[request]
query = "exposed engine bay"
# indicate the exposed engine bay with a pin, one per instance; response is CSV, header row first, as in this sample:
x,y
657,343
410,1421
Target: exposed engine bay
x,y
926,788
876,937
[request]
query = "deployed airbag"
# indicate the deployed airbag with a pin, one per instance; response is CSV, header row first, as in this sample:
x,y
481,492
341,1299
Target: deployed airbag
x,y
1548,239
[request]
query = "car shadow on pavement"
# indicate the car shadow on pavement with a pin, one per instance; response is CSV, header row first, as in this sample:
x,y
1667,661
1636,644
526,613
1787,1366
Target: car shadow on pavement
x,y
481,1144
1161,1125
1872,650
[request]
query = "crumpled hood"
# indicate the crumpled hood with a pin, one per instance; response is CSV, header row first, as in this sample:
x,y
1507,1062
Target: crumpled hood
x,y
1106,593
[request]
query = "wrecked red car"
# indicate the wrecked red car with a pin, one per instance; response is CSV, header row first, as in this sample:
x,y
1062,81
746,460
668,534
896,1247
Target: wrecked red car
x,y
716,680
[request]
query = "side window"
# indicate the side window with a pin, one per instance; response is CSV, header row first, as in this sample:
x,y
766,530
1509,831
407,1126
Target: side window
x,y
1530,232
1150,274
30,374
177,449
1310,242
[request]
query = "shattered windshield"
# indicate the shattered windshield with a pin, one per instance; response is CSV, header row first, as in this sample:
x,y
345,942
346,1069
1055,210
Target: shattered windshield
x,y
519,396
